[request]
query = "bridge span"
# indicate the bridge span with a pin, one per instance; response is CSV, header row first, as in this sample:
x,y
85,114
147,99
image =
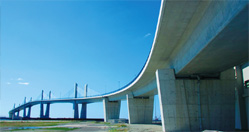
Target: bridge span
x,y
195,66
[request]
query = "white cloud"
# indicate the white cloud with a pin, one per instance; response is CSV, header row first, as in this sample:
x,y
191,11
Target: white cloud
x,y
8,83
19,79
147,35
23,83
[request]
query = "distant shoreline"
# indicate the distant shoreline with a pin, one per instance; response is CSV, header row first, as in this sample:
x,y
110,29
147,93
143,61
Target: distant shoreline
x,y
90,119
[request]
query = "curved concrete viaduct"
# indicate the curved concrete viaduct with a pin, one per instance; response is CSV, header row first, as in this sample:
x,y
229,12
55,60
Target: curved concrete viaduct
x,y
190,67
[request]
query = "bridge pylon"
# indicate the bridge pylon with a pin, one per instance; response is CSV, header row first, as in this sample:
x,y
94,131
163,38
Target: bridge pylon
x,y
29,112
75,90
83,111
48,106
41,106
85,90
75,105
84,105
24,109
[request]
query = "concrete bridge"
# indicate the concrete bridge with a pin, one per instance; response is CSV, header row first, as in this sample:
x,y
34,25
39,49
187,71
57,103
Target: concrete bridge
x,y
195,66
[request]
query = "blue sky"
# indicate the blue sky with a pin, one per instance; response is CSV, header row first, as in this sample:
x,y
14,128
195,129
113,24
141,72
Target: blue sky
x,y
50,45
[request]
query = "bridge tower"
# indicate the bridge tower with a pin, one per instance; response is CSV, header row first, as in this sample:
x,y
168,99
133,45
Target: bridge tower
x,y
12,116
24,109
85,90
48,106
75,105
29,109
18,111
75,90
41,106
84,105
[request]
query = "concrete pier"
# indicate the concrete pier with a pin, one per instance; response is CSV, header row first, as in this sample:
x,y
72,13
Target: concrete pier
x,y
111,109
41,106
83,111
246,97
24,112
75,105
24,109
29,112
41,110
76,110
48,106
140,109
47,111
241,120
192,105
17,115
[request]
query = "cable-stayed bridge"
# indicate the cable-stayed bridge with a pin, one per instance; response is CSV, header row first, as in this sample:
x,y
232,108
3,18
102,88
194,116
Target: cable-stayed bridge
x,y
72,96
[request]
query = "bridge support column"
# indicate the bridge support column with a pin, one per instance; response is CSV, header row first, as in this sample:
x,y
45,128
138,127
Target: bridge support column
x,y
24,112
24,109
140,109
41,106
241,120
76,110
111,109
11,115
29,112
192,105
47,110
17,115
83,111
41,110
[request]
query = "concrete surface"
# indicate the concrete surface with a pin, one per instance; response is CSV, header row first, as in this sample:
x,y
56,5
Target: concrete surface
x,y
140,110
83,111
181,110
111,109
